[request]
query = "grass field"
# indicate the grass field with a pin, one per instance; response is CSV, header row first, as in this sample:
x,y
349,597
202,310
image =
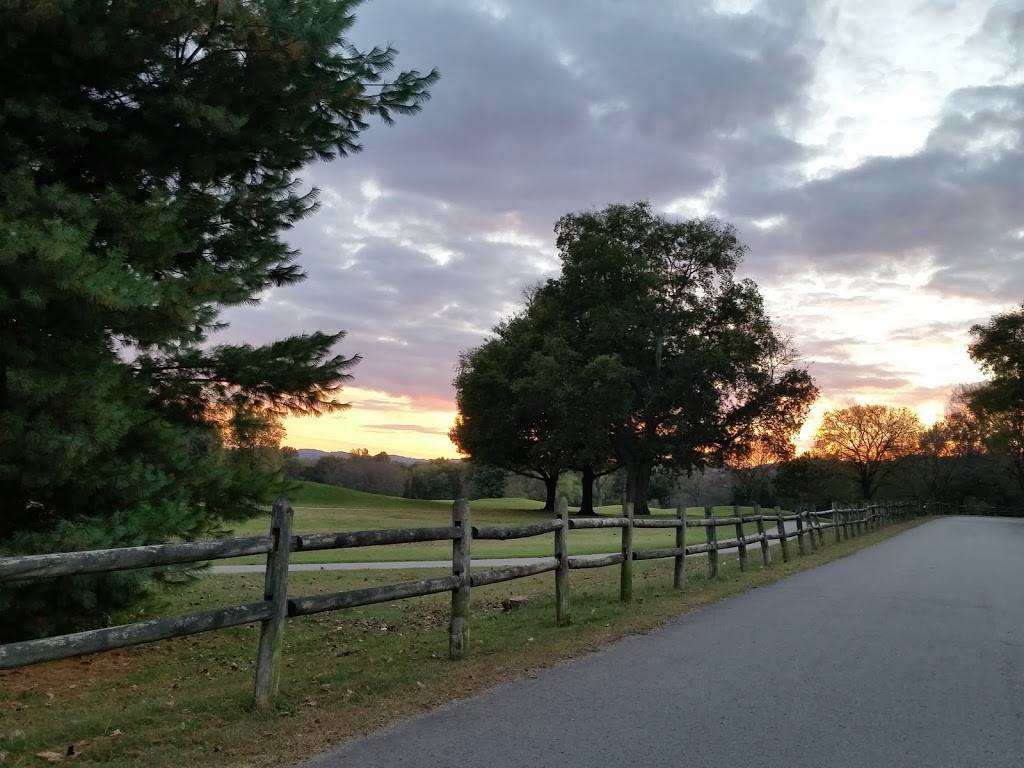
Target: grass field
x,y
329,508
187,701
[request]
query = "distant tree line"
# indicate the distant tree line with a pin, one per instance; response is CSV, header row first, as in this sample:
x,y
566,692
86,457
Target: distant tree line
x,y
378,473
973,455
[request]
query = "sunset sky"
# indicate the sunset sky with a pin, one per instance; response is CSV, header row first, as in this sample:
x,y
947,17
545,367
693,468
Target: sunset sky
x,y
872,159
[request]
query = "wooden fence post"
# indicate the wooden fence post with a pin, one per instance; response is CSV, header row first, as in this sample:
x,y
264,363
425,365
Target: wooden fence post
x,y
562,554
766,555
711,534
835,524
275,591
810,518
626,571
780,529
800,531
742,547
458,627
679,572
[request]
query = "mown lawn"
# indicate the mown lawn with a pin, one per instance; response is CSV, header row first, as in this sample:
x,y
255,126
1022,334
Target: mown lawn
x,y
329,508
187,701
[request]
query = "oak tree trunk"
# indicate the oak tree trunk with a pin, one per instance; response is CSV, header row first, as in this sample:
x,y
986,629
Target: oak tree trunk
x,y
587,502
638,482
550,492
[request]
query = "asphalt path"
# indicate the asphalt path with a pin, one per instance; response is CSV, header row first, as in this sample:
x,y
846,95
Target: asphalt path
x,y
908,653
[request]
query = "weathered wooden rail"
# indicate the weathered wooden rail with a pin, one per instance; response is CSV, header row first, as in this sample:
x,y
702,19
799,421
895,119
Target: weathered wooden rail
x,y
272,612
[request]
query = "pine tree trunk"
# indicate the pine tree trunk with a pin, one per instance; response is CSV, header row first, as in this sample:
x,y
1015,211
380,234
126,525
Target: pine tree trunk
x,y
587,503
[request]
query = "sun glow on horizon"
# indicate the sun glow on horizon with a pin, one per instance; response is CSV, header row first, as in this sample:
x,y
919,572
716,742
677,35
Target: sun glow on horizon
x,y
396,424
881,345
379,421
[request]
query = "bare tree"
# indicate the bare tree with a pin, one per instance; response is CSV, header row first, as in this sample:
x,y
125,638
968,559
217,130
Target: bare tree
x,y
870,438
711,485
951,447
753,472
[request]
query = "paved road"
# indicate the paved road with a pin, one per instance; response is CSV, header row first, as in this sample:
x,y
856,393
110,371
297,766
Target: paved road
x,y
909,653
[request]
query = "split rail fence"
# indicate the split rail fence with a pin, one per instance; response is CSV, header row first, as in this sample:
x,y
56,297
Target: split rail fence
x,y
807,528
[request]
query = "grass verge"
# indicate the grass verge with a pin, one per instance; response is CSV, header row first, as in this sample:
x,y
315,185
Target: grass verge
x,y
187,701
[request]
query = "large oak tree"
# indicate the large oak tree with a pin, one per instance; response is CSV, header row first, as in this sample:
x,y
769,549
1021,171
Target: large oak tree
x,y
702,370
653,354
524,398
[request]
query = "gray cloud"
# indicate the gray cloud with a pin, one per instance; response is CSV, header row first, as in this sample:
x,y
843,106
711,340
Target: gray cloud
x,y
956,201
838,378
548,109
545,108
952,330
559,106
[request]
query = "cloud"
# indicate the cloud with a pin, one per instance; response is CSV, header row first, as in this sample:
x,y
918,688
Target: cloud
x,y
848,378
429,238
402,428
955,203
763,113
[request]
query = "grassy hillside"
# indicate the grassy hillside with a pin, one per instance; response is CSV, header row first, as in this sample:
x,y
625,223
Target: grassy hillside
x,y
308,494
321,507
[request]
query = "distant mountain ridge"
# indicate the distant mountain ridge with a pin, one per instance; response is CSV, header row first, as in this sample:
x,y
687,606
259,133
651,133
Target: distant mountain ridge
x,y
313,454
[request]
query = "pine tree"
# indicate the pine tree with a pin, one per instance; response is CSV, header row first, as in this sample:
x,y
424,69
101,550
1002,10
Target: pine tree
x,y
148,165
